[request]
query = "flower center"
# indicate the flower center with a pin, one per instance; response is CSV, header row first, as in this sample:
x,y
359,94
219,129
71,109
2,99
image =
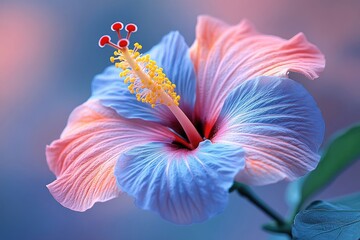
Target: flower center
x,y
147,81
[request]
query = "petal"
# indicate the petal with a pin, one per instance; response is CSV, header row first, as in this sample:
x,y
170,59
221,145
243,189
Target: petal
x,y
225,56
83,159
279,126
183,186
172,54
112,92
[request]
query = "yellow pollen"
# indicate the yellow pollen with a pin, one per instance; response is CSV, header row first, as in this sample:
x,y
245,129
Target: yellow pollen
x,y
145,78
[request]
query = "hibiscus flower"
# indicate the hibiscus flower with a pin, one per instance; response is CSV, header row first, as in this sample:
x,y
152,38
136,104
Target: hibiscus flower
x,y
181,124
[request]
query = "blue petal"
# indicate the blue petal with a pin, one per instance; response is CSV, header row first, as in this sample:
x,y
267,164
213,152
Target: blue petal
x,y
172,55
278,124
112,92
183,186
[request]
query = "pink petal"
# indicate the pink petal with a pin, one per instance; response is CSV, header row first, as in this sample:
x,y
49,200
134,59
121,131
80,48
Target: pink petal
x,y
225,56
83,159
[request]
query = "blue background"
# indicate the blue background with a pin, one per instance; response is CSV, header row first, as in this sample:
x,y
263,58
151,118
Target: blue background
x,y
48,57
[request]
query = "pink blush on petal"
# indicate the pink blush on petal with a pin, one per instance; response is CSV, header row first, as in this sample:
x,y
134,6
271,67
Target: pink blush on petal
x,y
229,55
83,159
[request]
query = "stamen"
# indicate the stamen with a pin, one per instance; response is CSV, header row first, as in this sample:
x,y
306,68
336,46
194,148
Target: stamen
x,y
146,79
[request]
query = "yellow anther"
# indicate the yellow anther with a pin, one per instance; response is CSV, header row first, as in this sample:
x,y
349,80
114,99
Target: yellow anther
x,y
138,46
146,80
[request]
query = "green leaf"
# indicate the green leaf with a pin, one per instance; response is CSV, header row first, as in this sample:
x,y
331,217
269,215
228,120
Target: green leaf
x,y
276,228
329,220
342,151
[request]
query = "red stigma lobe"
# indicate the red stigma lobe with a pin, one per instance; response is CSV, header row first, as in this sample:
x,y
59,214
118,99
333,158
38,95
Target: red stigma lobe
x,y
123,42
104,40
117,26
131,27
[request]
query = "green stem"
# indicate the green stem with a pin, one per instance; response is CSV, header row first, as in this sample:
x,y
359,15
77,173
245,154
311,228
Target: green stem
x,y
246,192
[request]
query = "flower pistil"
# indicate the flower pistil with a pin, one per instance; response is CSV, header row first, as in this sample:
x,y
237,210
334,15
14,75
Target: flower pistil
x,y
146,79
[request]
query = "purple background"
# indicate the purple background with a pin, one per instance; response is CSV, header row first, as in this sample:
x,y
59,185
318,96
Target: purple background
x,y
48,57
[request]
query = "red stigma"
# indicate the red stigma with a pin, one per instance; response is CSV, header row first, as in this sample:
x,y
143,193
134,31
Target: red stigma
x,y
104,40
131,27
117,26
123,43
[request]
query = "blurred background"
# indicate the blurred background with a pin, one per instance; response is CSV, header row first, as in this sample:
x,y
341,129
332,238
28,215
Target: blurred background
x,y
48,57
